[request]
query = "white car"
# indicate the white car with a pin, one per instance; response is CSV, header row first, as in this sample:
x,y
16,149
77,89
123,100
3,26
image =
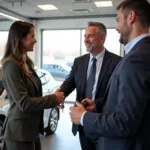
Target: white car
x,y
51,116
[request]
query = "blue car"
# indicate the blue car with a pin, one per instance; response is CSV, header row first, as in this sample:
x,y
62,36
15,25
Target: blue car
x,y
58,71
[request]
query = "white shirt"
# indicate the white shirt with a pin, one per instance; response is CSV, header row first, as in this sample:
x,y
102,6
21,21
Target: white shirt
x,y
130,45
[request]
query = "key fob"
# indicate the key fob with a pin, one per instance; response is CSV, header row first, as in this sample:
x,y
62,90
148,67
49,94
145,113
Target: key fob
x,y
84,103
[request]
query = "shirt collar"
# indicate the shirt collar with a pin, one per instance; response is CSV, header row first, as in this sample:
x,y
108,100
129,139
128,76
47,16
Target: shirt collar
x,y
129,46
99,56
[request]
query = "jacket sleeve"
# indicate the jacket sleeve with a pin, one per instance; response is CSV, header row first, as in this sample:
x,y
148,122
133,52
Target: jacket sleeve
x,y
69,84
131,104
14,81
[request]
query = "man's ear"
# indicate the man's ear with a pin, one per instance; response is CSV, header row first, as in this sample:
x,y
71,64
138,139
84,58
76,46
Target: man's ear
x,y
131,17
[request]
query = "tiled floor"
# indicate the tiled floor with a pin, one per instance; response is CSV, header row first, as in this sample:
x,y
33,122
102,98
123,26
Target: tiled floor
x,y
63,138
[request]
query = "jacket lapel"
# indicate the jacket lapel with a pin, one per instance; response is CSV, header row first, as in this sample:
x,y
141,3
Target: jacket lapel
x,y
108,85
34,82
84,73
132,50
104,68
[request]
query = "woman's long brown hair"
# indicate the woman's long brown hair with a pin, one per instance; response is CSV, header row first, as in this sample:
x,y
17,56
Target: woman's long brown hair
x,y
14,48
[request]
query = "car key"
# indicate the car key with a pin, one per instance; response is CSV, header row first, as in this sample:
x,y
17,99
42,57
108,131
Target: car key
x,y
62,107
84,103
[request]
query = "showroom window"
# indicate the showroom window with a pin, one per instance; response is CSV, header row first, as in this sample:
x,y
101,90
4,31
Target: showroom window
x,y
3,40
60,47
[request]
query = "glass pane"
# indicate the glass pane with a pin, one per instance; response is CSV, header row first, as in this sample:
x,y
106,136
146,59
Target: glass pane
x,y
3,40
112,41
60,47
83,51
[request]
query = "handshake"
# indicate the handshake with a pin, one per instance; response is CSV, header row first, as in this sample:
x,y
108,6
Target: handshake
x,y
87,103
59,95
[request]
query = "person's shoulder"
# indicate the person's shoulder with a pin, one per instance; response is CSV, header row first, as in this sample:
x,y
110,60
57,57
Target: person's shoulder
x,y
10,64
85,56
10,60
112,55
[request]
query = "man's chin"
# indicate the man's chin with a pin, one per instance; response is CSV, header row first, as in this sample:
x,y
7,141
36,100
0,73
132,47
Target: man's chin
x,y
88,50
121,41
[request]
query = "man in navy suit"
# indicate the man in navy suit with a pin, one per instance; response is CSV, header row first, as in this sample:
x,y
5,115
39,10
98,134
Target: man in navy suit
x,y
124,123
95,35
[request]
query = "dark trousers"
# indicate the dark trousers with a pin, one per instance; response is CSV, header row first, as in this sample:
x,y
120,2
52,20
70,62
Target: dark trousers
x,y
86,144
17,145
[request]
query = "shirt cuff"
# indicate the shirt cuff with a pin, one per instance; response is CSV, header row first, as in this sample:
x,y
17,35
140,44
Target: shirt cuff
x,y
81,121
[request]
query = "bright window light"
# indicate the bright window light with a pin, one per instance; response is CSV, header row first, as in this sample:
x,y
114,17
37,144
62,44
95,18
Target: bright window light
x,y
9,17
47,7
104,4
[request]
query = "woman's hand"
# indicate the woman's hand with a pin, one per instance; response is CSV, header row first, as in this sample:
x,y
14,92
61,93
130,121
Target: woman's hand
x,y
60,96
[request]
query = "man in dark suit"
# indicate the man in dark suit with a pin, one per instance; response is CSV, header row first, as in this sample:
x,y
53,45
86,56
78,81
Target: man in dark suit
x,y
95,35
124,123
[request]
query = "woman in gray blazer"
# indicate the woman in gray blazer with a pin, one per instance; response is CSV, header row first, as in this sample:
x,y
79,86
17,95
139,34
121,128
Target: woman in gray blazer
x,y
25,116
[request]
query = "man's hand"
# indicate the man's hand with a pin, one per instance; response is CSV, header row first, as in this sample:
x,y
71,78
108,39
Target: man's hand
x,y
91,105
60,96
76,113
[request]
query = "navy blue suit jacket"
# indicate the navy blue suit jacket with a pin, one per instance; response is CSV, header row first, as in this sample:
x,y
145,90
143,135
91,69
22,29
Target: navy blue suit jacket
x,y
78,76
125,121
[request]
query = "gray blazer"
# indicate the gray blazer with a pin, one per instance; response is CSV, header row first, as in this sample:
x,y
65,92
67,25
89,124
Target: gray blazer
x,y
125,121
25,115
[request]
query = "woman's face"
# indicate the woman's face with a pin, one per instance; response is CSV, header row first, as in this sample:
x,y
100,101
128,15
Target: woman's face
x,y
28,41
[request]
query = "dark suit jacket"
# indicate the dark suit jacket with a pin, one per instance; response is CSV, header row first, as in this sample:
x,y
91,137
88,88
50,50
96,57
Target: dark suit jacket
x,y
25,115
125,121
78,76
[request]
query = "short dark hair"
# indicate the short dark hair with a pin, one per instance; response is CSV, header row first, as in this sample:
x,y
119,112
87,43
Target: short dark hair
x,y
99,25
140,7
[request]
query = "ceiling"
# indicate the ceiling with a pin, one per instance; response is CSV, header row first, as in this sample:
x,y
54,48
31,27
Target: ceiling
x,y
66,8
